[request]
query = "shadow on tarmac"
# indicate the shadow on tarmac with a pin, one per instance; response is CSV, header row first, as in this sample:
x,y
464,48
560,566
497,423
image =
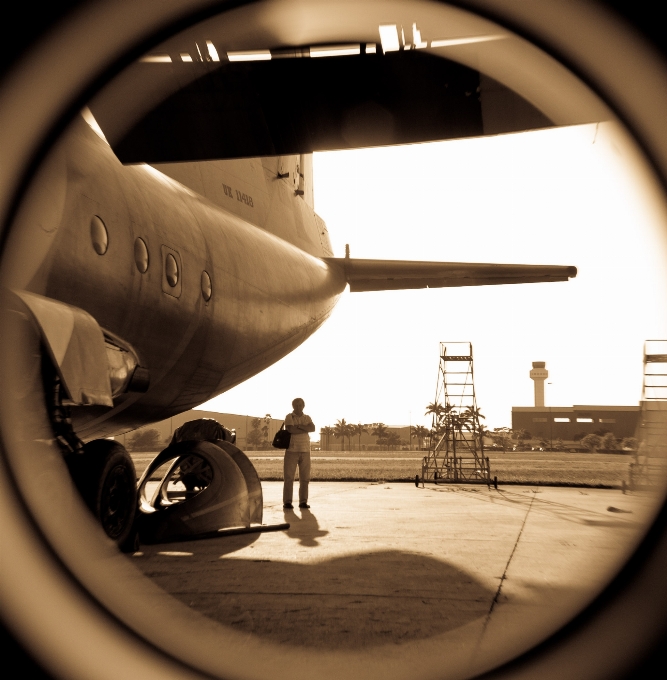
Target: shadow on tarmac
x,y
305,529
376,598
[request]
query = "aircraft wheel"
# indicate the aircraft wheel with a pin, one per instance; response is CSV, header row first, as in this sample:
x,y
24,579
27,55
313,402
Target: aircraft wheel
x,y
105,476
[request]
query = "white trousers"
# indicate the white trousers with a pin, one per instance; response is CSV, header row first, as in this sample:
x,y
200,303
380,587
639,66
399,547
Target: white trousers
x,y
292,459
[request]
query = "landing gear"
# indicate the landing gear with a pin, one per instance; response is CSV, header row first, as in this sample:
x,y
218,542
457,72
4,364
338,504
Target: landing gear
x,y
105,477
208,488
101,470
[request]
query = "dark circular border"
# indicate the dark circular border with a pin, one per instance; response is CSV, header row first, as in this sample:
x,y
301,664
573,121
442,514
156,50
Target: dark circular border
x,y
618,65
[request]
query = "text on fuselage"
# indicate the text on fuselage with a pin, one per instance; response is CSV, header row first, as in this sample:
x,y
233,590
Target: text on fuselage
x,y
244,198
240,196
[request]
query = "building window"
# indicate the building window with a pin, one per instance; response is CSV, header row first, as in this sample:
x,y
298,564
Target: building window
x,y
585,420
540,420
561,420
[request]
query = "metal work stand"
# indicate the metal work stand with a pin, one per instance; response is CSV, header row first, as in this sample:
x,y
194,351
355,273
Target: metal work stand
x,y
457,449
650,460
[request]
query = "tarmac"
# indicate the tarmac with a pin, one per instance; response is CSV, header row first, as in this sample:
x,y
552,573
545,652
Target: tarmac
x,y
387,580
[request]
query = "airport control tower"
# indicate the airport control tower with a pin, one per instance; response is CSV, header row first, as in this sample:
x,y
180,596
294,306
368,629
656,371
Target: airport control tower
x,y
539,374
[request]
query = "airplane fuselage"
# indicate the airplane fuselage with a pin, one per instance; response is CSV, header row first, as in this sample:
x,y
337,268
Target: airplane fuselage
x,y
205,297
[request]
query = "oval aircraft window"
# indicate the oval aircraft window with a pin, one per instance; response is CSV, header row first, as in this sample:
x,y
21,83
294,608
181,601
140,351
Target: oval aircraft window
x,y
99,235
206,286
171,270
141,259
498,187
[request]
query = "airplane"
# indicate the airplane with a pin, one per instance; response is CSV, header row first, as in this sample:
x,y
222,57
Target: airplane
x,y
176,281
234,305
171,295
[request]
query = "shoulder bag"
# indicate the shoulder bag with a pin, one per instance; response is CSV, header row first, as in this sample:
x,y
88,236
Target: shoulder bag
x,y
282,438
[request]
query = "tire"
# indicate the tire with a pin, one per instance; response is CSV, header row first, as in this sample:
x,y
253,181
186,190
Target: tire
x,y
105,477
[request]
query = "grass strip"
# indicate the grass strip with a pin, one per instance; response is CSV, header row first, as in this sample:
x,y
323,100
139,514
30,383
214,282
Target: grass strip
x,y
529,467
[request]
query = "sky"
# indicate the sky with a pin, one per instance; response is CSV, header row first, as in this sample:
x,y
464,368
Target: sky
x,y
571,196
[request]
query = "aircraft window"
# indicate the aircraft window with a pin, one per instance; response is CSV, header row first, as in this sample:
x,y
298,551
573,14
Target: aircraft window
x,y
206,286
141,255
99,235
172,279
561,420
171,270
585,420
540,420
608,420
185,57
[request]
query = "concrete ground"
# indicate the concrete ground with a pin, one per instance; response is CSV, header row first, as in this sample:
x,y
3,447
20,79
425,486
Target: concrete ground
x,y
389,580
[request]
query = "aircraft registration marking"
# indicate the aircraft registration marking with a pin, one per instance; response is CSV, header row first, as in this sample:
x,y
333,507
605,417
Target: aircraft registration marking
x,y
240,196
244,198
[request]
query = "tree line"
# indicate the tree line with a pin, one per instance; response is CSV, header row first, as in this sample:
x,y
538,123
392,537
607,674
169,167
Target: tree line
x,y
343,430
601,440
444,417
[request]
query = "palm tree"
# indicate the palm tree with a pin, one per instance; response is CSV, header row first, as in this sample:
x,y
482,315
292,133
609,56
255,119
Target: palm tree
x,y
350,432
471,417
359,430
469,420
443,415
435,409
340,431
483,431
326,432
420,432
380,431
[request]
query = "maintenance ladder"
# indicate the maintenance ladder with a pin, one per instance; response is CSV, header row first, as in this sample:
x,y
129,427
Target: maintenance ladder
x,y
649,465
457,449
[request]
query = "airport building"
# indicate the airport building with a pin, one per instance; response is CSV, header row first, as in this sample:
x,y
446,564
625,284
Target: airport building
x,y
568,422
242,425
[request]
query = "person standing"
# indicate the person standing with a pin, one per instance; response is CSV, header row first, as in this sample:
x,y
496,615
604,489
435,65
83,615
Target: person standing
x,y
299,425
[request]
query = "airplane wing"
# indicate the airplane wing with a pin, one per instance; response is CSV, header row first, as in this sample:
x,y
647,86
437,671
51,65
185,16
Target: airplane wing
x,y
367,275
204,111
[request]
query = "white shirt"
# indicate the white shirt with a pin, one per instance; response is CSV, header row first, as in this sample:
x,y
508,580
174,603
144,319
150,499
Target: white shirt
x,y
298,442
